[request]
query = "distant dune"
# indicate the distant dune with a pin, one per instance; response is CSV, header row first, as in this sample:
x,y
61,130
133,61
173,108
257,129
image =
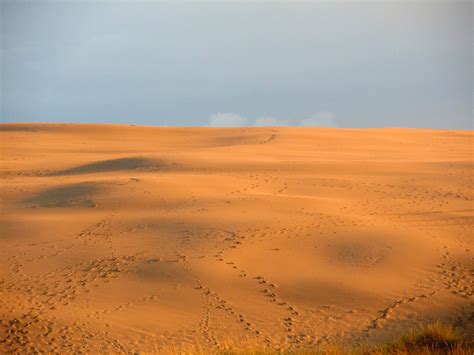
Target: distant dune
x,y
118,238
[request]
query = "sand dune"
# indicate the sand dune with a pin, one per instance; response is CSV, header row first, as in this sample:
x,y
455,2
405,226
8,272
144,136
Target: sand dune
x,y
119,238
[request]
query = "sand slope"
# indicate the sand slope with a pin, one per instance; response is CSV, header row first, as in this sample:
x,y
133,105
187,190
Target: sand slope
x,y
126,238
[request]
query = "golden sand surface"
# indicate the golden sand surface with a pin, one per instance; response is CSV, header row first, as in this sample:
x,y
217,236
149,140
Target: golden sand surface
x,y
119,238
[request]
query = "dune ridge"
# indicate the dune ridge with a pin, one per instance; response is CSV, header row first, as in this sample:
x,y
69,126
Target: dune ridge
x,y
119,238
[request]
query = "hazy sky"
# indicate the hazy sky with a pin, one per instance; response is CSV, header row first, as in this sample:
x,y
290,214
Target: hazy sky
x,y
334,63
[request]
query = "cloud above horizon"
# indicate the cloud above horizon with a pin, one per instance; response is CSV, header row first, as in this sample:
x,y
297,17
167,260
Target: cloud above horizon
x,y
230,119
269,121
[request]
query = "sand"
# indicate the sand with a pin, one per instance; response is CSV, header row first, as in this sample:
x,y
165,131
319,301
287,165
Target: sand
x,y
117,238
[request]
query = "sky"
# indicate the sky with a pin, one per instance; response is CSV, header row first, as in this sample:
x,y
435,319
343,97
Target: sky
x,y
224,64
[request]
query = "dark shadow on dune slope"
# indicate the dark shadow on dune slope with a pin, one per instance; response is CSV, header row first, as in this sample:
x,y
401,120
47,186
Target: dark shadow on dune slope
x,y
74,195
160,271
357,253
121,164
16,128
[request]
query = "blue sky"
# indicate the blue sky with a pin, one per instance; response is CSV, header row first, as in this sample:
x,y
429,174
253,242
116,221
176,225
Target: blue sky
x,y
334,63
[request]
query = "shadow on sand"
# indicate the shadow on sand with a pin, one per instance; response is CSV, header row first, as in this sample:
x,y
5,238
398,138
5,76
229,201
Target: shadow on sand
x,y
74,195
104,166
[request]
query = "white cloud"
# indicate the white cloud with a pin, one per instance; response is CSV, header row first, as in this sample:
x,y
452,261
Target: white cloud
x,y
320,119
228,120
270,121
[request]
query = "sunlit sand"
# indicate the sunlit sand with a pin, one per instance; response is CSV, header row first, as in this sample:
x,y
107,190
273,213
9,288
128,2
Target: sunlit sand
x,y
118,238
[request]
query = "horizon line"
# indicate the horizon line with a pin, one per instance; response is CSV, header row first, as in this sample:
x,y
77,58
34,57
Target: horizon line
x,y
233,127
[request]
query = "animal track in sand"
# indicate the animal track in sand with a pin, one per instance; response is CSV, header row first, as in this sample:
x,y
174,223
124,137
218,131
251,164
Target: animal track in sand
x,y
455,277
124,307
269,139
53,290
269,291
96,233
215,301
387,313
